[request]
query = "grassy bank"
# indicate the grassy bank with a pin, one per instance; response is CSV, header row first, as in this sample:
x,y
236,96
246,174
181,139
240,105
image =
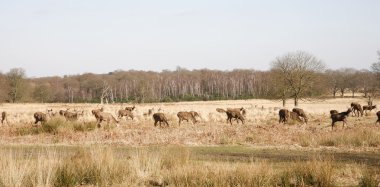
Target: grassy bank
x,y
176,166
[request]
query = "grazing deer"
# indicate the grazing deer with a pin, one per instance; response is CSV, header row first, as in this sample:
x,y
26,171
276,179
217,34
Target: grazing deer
x,y
96,112
72,116
232,114
104,116
301,113
356,108
283,115
160,117
339,117
126,113
187,116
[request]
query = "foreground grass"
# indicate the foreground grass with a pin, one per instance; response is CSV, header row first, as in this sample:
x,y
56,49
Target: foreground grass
x,y
170,166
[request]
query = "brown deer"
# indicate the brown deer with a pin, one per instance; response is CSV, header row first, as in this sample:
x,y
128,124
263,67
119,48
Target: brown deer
x,y
96,112
232,114
126,113
72,116
301,113
339,117
283,115
4,117
356,108
62,112
104,116
187,116
368,107
295,116
40,117
160,117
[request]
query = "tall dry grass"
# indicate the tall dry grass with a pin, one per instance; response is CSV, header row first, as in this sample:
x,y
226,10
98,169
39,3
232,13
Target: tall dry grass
x,y
158,166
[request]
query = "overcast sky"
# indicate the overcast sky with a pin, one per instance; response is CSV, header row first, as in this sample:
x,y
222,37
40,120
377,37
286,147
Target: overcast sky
x,y
60,37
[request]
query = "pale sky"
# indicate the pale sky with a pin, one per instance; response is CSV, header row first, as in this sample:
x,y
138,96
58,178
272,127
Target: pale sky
x,y
65,37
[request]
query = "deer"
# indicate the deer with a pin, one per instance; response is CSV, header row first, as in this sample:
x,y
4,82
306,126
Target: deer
x,y
104,116
95,112
72,116
40,117
335,117
187,116
283,115
356,108
368,107
127,113
301,113
4,117
160,117
232,114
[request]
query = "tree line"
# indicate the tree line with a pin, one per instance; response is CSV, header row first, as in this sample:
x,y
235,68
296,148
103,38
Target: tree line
x,y
294,76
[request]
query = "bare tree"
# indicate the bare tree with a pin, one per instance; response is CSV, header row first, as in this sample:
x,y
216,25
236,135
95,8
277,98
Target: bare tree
x,y
16,80
43,93
298,70
376,68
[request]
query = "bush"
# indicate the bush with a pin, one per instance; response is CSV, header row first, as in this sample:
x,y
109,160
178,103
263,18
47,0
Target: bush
x,y
369,179
52,125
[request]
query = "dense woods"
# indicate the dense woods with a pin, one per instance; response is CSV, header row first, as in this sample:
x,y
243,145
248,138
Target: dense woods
x,y
184,85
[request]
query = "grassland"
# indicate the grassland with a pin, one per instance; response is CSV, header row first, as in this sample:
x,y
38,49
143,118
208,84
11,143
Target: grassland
x,y
260,152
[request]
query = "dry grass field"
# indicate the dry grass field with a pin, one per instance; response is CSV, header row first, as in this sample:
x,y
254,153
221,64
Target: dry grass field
x,y
212,152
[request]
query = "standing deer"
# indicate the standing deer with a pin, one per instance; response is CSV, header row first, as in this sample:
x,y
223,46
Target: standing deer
x,y
187,116
160,117
104,116
96,112
368,107
283,115
339,117
356,109
126,113
40,117
4,117
72,116
232,114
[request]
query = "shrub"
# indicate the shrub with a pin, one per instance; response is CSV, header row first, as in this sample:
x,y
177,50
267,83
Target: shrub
x,y
369,179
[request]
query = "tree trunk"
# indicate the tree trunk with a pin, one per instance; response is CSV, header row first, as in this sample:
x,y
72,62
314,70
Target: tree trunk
x,y
283,102
296,101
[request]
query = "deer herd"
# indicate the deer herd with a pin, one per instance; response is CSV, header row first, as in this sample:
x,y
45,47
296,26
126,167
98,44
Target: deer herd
x,y
237,114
